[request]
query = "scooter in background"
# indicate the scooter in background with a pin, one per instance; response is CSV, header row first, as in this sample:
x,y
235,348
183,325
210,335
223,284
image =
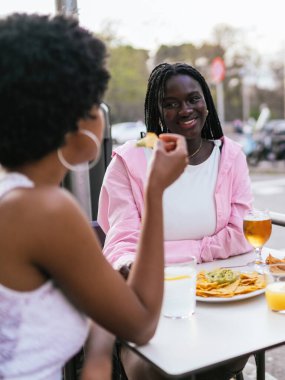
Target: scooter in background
x,y
267,145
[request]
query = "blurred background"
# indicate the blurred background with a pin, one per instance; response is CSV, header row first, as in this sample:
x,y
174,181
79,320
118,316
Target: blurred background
x,y
240,49
245,35
238,46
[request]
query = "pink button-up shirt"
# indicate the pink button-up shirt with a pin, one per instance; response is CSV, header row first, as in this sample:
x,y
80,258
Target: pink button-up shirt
x,y
121,205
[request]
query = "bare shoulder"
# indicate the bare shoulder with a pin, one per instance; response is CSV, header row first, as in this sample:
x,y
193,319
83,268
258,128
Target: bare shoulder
x,y
51,198
46,211
42,194
48,200
55,208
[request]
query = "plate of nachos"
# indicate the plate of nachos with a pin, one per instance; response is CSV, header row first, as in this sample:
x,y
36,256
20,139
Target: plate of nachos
x,y
226,285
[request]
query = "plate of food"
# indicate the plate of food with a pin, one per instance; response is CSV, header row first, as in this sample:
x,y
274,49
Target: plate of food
x,y
270,259
227,285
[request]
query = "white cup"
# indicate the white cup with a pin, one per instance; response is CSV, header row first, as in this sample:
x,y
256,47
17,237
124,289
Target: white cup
x,y
179,300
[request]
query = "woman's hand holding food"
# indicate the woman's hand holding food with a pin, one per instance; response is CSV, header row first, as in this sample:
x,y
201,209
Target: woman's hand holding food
x,y
169,161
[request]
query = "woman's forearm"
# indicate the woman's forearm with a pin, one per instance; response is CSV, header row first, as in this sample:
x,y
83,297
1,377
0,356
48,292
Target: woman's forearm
x,y
150,255
146,276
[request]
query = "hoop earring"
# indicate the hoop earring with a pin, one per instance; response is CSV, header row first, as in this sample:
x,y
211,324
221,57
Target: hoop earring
x,y
160,125
85,165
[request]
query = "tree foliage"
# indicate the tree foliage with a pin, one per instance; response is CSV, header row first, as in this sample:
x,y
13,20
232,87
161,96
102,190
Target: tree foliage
x,y
127,87
130,69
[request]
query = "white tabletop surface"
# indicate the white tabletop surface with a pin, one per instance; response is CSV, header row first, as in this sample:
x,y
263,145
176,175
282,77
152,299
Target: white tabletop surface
x,y
216,332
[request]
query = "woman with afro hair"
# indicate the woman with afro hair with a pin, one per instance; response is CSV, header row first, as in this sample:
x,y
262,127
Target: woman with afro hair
x,y
54,281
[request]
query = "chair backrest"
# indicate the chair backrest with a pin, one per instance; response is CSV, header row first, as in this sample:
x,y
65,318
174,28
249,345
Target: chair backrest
x,y
100,233
97,173
71,368
86,185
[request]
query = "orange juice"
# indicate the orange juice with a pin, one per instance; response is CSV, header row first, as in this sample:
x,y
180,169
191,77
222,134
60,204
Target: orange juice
x,y
275,296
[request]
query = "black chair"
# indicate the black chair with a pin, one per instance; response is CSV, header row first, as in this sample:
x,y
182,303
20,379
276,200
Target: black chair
x,y
100,233
73,367
97,173
239,376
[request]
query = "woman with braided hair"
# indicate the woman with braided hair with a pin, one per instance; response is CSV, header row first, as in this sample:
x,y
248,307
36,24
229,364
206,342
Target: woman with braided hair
x,y
204,208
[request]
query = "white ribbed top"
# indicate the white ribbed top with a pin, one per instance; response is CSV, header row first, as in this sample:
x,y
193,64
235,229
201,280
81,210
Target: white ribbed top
x,y
40,329
189,206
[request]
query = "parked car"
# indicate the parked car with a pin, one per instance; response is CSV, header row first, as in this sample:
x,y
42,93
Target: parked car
x,y
123,132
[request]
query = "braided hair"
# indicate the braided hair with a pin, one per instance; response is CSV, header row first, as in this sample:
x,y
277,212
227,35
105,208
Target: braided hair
x,y
155,92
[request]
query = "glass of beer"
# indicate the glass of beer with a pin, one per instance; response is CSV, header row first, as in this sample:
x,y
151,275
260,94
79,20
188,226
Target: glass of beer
x,y
257,228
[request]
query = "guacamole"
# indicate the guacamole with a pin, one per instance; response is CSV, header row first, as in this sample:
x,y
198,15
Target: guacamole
x,y
222,275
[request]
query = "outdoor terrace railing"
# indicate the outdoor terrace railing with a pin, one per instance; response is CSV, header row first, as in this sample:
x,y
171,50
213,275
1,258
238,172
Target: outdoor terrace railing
x,y
278,219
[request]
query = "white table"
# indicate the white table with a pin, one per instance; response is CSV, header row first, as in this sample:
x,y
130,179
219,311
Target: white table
x,y
216,333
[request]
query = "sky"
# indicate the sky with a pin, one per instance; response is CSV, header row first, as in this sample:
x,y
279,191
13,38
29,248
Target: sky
x,y
150,23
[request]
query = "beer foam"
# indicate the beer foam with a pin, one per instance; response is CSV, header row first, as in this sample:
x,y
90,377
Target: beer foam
x,y
256,218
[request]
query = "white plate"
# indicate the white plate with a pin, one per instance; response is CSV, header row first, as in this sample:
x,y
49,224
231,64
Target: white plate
x,y
231,299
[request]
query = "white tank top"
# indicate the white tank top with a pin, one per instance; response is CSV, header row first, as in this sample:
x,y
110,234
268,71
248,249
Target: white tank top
x,y
189,207
40,330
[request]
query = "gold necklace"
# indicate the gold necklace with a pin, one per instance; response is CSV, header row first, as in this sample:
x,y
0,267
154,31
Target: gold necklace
x,y
196,151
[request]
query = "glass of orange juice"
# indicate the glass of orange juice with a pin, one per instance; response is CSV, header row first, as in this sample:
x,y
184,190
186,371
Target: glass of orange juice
x,y
275,287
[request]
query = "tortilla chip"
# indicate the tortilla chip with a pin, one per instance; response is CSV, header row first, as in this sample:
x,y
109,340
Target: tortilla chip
x,y
273,260
148,141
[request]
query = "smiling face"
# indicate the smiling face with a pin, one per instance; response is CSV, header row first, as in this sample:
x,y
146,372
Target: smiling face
x,y
184,108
